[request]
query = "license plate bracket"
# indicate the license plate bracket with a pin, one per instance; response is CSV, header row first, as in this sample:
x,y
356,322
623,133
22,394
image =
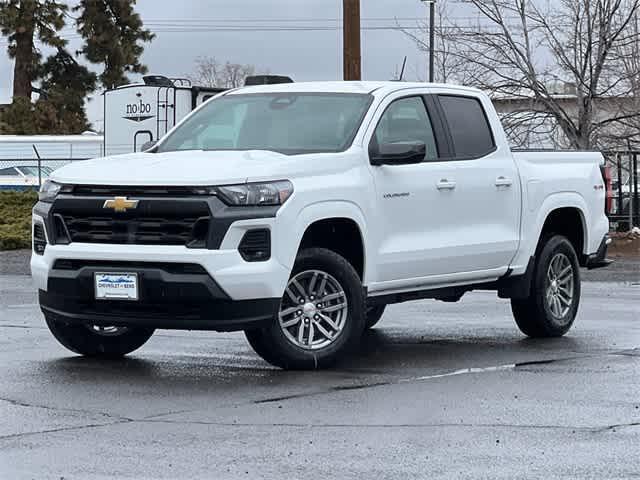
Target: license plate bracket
x,y
116,286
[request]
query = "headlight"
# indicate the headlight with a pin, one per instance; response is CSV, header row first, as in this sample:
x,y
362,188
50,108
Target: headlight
x,y
252,194
48,191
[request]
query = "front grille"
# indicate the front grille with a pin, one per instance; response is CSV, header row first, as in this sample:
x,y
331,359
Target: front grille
x,y
153,222
138,230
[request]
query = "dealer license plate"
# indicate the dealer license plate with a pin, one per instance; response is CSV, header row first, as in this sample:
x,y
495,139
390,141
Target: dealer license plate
x,y
116,286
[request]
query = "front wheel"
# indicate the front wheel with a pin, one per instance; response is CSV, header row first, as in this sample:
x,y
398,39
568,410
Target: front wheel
x,y
552,305
96,341
321,316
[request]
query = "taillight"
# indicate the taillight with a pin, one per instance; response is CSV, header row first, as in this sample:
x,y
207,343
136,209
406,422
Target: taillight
x,y
605,170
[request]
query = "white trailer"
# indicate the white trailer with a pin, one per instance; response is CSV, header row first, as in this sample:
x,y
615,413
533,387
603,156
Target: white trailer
x,y
138,113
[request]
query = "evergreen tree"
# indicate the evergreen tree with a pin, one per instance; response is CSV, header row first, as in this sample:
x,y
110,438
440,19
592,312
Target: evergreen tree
x,y
18,118
24,21
67,84
113,35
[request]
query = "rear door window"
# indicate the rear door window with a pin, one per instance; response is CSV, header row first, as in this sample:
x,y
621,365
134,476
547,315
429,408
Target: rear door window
x,y
468,125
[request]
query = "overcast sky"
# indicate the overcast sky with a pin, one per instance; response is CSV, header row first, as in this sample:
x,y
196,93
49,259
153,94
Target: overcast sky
x,y
198,29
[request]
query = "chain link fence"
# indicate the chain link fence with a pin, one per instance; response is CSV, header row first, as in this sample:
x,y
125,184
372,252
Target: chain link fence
x,y
22,174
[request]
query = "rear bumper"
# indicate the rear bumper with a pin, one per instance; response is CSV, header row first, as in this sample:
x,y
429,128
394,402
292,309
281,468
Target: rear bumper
x,y
599,259
171,296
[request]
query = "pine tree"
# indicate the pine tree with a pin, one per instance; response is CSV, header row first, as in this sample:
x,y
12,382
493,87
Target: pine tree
x,y
24,21
113,35
67,84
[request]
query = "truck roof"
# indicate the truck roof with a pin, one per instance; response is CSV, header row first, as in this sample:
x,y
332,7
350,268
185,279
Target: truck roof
x,y
345,87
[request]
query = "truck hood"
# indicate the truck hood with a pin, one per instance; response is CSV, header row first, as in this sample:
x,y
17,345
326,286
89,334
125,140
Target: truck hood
x,y
196,167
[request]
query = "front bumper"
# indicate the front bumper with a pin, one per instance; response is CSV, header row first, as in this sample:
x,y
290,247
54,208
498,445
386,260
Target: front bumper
x,y
171,295
229,294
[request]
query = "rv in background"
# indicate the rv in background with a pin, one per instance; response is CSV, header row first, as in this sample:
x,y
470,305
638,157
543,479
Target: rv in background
x,y
139,113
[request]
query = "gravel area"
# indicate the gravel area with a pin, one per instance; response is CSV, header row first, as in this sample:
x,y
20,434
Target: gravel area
x,y
15,262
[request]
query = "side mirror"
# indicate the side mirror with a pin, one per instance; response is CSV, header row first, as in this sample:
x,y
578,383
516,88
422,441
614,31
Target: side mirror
x,y
399,153
148,145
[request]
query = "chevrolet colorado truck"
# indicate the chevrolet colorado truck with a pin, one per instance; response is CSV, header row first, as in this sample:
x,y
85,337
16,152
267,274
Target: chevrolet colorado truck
x,y
297,212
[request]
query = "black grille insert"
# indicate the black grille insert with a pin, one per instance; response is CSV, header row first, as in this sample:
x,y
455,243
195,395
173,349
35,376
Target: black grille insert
x,y
138,230
153,222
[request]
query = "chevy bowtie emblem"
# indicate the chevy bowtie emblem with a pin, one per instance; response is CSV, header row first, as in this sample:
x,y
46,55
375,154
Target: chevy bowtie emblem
x,y
120,204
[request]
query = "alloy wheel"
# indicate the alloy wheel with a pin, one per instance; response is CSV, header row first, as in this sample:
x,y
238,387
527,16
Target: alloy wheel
x,y
313,310
560,289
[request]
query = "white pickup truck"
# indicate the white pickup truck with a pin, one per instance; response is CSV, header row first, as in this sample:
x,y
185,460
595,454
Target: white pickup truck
x,y
296,212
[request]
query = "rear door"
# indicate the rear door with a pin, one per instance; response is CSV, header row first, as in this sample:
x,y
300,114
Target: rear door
x,y
483,226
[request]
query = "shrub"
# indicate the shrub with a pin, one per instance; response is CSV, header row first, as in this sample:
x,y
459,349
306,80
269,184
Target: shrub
x,y
15,218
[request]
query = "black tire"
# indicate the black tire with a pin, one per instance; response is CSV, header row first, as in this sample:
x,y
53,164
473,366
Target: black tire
x,y
84,340
535,315
373,315
272,344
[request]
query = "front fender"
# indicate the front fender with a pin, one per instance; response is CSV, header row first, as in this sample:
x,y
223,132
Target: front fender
x,y
289,241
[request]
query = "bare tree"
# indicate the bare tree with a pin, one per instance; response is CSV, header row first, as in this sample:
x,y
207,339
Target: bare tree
x,y
447,61
625,130
522,50
209,72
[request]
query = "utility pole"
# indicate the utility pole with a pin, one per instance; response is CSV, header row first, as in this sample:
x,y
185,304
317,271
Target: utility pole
x,y
432,34
432,24
351,68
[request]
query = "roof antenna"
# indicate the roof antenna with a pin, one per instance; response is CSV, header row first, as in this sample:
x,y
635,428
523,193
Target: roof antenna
x,y
404,62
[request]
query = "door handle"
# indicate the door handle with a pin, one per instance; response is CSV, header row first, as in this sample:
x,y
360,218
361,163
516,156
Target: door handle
x,y
503,182
445,184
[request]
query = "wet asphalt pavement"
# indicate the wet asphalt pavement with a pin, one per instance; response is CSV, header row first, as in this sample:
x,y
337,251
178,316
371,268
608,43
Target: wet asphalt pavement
x,y
437,391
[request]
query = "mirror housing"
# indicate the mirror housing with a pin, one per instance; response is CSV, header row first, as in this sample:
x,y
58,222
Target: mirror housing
x,y
397,153
146,146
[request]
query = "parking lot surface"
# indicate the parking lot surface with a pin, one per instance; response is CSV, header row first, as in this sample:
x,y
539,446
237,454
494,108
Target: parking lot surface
x,y
437,391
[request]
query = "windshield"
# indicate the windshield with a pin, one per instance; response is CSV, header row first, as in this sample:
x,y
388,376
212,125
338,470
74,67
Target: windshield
x,y
282,122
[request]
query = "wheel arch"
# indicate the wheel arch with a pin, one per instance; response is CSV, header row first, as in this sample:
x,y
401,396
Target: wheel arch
x,y
337,225
567,218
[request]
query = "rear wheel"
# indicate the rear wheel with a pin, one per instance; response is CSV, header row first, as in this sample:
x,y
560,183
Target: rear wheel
x,y
321,316
98,341
552,305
